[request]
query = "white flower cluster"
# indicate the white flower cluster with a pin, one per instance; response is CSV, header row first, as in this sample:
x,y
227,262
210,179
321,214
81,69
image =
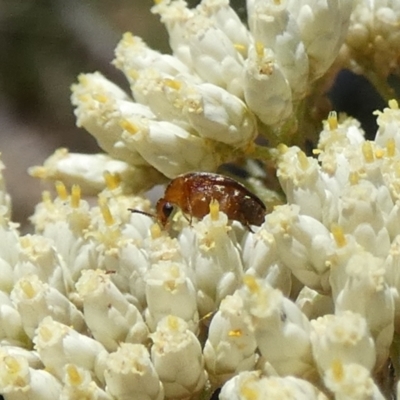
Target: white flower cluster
x,y
373,39
101,303
204,105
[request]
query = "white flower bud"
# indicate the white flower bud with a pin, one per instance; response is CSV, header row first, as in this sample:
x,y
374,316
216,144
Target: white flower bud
x,y
87,171
215,260
300,179
266,89
282,331
11,329
169,148
388,122
130,374
175,15
344,337
169,291
39,257
252,385
133,55
216,114
351,381
303,245
323,26
225,18
177,357
103,301
366,292
261,259
9,252
273,26
79,384
35,300
231,345
58,344
20,382
100,108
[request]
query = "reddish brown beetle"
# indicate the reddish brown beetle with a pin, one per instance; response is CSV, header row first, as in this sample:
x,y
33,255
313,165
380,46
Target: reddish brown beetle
x,y
193,192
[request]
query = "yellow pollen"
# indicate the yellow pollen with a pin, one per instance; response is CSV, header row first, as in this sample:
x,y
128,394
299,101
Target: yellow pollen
x,y
368,152
133,73
28,289
338,235
393,104
11,364
105,211
173,322
282,148
260,49
316,152
251,283
337,370
61,190
129,127
25,242
172,83
45,333
332,120
354,178
75,196
249,394
74,376
240,48
46,197
100,97
112,180
155,231
303,160
235,333
390,147
128,37
379,153
214,210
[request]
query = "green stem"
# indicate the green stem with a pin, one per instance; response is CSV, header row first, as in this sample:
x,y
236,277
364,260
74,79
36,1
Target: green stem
x,y
264,153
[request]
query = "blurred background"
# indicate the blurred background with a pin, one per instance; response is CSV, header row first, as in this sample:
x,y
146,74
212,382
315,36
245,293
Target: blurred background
x,y
45,44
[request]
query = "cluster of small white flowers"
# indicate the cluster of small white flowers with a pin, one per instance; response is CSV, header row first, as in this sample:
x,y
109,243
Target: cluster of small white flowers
x,y
205,104
103,304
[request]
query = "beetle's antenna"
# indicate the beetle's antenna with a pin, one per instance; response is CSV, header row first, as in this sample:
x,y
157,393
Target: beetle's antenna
x,y
142,212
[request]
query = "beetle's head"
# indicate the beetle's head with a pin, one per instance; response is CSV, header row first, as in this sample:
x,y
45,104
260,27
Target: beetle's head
x,y
164,210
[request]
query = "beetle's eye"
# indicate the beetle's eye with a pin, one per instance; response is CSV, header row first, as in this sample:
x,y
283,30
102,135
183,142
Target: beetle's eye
x,y
167,209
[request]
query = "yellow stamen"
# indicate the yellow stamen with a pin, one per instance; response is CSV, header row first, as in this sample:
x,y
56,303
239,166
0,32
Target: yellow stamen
x,y
105,211
12,365
332,121
173,322
354,178
155,231
251,283
338,235
390,147
172,83
75,196
260,49
379,153
112,180
368,152
303,160
214,210
240,48
282,148
100,97
74,376
46,197
129,127
28,289
61,190
393,104
337,370
235,333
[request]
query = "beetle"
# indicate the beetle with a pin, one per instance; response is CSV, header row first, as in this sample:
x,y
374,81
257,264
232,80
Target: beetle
x,y
193,192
